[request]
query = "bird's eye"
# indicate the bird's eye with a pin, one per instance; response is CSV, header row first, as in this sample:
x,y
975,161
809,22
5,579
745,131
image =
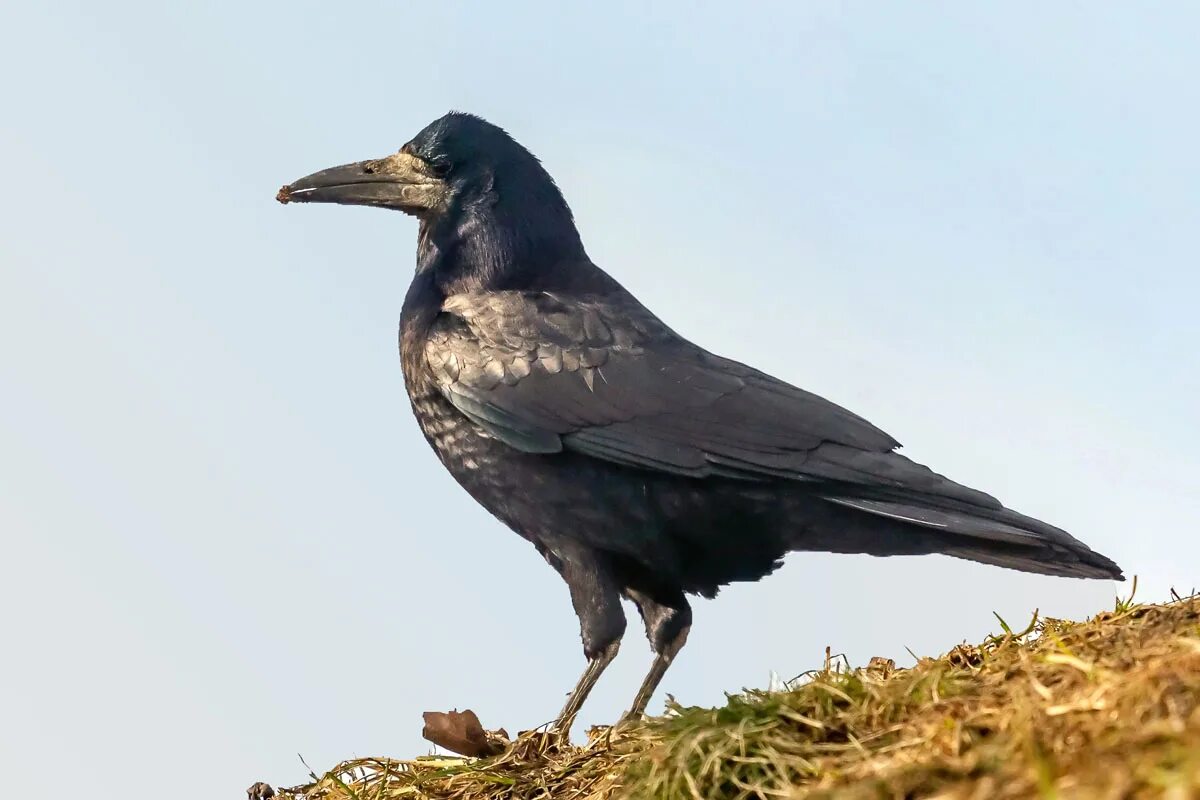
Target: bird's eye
x,y
440,166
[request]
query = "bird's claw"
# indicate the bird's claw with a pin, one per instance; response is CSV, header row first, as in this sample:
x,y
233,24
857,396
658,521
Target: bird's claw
x,y
630,719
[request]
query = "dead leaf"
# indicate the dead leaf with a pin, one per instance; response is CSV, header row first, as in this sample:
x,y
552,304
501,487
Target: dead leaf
x,y
461,732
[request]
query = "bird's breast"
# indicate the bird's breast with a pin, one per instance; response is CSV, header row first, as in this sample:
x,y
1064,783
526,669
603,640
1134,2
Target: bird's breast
x,y
469,454
458,442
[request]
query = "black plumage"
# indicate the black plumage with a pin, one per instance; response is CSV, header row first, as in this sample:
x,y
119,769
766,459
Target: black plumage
x,y
638,464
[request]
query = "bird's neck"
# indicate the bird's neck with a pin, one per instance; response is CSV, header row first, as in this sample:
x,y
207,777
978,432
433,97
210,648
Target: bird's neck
x,y
484,251
422,304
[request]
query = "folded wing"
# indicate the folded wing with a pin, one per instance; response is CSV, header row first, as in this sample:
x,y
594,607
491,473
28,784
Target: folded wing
x,y
543,373
602,376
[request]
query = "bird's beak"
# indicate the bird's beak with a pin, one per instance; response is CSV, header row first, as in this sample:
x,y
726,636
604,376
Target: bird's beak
x,y
399,181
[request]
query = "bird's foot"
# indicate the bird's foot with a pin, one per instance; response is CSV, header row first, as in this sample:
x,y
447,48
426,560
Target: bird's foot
x,y
630,719
532,745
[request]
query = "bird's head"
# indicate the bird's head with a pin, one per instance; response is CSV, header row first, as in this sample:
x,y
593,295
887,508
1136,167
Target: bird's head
x,y
491,216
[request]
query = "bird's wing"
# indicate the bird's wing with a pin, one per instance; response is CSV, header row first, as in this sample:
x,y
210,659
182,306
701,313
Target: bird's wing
x,y
606,378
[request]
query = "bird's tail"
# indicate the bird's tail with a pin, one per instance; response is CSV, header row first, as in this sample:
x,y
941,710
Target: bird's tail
x,y
988,534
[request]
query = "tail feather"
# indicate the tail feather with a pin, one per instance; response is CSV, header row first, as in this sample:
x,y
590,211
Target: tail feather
x,y
1063,564
990,535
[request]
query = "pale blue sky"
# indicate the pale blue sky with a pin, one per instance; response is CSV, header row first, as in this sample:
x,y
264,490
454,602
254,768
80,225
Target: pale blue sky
x,y
224,539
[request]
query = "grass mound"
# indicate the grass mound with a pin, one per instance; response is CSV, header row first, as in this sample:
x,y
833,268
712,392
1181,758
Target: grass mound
x,y
1109,707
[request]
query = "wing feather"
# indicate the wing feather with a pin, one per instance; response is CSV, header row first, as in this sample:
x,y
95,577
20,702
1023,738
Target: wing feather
x,y
603,377
542,373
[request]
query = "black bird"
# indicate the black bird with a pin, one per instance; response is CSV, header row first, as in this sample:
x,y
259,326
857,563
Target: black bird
x,y
638,464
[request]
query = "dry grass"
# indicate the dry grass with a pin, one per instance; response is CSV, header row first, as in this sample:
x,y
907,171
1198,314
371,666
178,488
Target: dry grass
x,y
1098,709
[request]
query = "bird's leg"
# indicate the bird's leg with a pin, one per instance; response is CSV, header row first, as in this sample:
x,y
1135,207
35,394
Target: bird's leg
x,y
591,674
668,620
658,668
597,601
